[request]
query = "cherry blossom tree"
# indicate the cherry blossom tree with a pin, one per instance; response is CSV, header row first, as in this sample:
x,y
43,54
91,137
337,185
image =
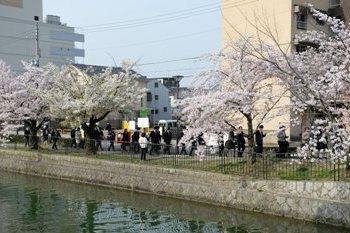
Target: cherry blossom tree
x,y
87,97
238,90
320,77
317,79
19,103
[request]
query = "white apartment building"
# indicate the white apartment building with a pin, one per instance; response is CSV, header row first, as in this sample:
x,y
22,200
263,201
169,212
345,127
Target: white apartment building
x,y
20,20
158,101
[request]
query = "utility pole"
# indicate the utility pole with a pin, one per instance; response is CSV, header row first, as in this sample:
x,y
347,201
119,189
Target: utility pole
x,y
178,78
37,49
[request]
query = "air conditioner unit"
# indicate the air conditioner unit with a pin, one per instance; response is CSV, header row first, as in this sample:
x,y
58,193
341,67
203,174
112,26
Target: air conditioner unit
x,y
296,42
296,9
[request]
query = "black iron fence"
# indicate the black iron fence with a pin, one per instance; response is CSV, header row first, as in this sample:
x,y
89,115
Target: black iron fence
x,y
269,165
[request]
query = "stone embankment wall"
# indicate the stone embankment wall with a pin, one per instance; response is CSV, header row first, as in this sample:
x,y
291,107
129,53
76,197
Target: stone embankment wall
x,y
326,202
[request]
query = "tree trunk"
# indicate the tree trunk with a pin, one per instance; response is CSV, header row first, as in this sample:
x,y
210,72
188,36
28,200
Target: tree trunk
x,y
250,137
89,133
89,137
33,139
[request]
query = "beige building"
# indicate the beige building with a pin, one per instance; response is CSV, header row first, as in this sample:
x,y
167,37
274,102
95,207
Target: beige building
x,y
285,19
21,21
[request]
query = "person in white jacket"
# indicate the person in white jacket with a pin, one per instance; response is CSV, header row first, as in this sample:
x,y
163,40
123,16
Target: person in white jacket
x,y
143,144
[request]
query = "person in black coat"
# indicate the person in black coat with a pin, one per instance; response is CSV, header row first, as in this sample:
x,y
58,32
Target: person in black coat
x,y
167,136
111,138
155,140
259,139
97,139
108,127
199,140
26,137
135,140
231,141
125,139
45,135
72,136
55,135
183,145
240,142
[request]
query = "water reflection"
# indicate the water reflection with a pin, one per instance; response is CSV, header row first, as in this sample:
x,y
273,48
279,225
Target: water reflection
x,y
33,204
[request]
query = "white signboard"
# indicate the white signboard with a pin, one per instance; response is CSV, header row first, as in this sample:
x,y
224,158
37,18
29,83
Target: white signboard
x,y
132,125
143,122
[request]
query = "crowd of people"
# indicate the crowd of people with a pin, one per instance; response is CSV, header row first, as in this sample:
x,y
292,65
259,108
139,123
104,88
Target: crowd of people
x,y
154,142
45,134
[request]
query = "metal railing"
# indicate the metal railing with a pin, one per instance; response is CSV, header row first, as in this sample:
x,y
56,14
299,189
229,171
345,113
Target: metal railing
x,y
270,165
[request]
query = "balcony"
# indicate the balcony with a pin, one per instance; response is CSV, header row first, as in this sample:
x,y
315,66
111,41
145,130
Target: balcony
x,y
67,52
67,36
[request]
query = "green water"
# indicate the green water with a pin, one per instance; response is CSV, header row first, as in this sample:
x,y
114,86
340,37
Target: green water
x,y
34,204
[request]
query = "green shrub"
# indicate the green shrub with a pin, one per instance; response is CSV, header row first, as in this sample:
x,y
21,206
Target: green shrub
x,y
65,142
16,139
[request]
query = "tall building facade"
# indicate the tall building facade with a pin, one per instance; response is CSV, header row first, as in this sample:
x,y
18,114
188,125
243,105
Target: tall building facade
x,y
285,19
158,101
26,35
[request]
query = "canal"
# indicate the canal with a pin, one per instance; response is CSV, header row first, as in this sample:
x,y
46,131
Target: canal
x,y
34,204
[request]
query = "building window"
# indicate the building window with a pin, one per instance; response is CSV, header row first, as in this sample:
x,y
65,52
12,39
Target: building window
x,y
334,3
156,97
156,84
149,96
152,111
156,111
302,21
141,102
165,109
300,48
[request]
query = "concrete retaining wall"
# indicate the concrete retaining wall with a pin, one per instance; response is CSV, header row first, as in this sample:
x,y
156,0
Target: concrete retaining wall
x,y
326,202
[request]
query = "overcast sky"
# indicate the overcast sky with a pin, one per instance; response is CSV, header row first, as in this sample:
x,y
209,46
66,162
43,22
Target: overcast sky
x,y
146,31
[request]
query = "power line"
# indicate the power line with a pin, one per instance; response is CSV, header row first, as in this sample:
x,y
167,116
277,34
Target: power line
x,y
169,61
163,19
146,18
170,14
181,69
156,41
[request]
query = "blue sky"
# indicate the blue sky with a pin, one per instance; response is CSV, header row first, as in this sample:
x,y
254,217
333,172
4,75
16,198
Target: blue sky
x,y
146,31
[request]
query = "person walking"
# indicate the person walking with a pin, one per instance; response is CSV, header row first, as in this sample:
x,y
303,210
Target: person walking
x,y
167,136
143,144
199,140
282,142
193,145
45,135
231,142
72,136
108,126
221,144
183,145
26,137
55,135
240,141
135,140
125,139
155,140
96,137
111,138
259,140
99,138
78,137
